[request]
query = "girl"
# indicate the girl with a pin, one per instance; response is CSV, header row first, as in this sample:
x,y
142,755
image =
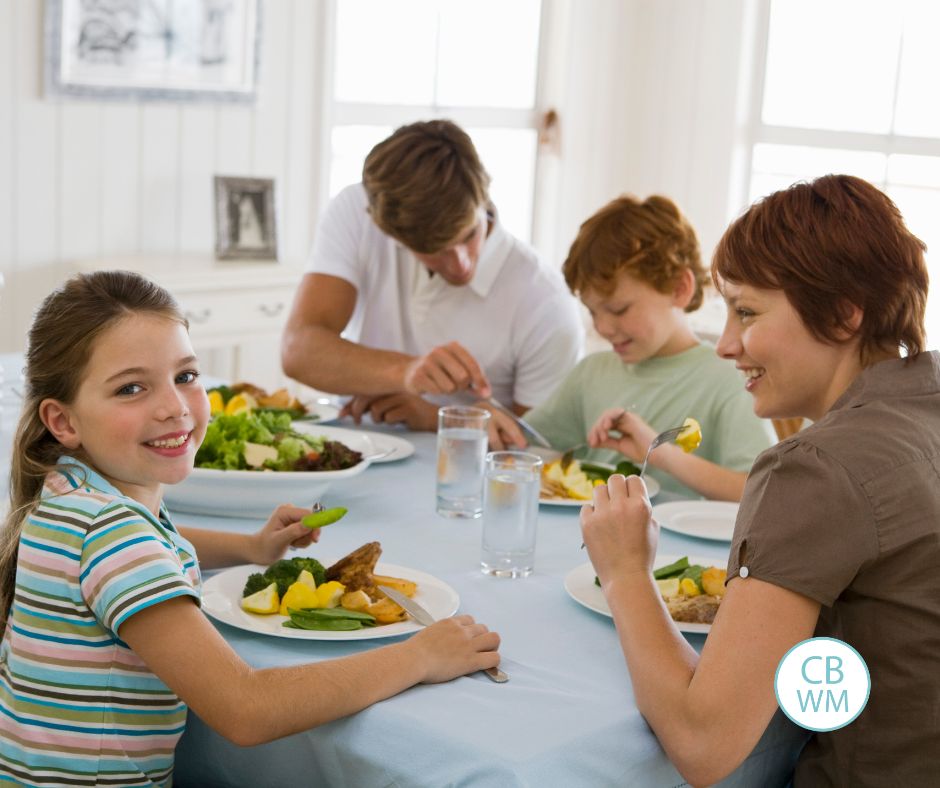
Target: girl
x,y
635,265
104,644
838,532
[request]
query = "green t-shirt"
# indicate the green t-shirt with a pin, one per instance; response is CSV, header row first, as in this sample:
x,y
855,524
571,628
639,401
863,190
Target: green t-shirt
x,y
663,391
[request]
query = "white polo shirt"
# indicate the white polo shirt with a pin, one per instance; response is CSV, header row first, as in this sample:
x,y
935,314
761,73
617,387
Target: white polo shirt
x,y
516,316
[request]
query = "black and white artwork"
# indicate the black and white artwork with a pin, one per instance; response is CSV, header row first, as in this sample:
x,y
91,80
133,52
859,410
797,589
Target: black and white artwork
x,y
245,218
153,49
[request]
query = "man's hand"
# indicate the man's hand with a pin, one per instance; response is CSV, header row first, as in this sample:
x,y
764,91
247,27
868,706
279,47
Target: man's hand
x,y
446,369
398,408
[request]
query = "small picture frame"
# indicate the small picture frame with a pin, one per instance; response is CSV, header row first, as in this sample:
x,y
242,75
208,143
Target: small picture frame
x,y
245,221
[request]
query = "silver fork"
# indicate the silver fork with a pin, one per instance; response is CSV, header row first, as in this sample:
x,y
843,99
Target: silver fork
x,y
659,440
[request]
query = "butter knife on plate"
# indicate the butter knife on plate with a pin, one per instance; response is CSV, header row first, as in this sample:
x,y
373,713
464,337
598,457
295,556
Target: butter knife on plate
x,y
425,619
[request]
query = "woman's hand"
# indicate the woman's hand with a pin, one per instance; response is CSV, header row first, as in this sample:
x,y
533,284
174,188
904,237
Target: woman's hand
x,y
454,647
282,530
618,530
636,434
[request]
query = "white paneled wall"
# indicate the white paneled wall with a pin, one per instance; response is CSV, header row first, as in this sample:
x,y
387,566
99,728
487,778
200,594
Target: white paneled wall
x,y
88,179
646,91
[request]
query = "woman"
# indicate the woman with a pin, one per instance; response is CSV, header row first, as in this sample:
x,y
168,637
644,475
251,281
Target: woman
x,y
838,532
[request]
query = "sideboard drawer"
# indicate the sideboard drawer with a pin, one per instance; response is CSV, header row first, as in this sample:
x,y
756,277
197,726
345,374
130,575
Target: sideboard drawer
x,y
235,314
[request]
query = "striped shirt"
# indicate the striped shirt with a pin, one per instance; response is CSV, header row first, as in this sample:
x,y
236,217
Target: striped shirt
x,y
77,706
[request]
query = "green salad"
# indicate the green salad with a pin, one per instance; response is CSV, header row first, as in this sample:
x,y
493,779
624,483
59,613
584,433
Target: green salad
x,y
266,441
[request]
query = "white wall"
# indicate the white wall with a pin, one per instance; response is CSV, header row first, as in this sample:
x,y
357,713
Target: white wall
x,y
646,89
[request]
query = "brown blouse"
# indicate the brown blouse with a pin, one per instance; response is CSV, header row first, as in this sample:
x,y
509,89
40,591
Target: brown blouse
x,y
847,512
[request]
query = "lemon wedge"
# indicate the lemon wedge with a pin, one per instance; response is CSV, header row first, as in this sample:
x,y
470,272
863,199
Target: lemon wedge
x,y
263,602
241,403
299,596
307,579
691,437
215,403
330,593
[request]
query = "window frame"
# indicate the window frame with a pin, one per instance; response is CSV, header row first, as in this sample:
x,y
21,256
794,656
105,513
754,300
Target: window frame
x,y
334,113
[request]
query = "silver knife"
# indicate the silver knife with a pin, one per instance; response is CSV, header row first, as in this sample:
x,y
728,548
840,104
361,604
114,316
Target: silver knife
x,y
425,619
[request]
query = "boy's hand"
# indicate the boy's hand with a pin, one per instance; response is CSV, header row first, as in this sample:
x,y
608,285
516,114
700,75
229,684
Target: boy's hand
x,y
618,530
282,530
636,434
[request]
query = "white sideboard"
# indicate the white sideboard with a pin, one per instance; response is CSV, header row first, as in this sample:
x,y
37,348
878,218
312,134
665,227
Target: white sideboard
x,y
236,309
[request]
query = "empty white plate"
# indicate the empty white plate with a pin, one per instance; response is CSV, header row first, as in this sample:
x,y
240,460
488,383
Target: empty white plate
x,y
701,519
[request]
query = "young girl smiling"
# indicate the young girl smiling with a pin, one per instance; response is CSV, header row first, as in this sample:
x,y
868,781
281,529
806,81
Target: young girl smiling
x,y
104,644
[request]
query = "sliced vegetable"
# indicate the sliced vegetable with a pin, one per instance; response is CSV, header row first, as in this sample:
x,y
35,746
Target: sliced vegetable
x,y
671,570
691,437
326,517
263,602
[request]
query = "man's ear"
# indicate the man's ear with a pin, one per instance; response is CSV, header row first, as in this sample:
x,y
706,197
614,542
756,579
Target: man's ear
x,y
57,418
684,289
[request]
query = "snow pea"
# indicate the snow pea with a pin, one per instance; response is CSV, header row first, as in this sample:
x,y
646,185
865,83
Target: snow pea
x,y
326,517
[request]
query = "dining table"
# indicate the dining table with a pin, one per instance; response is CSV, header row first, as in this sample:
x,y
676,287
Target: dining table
x,y
566,717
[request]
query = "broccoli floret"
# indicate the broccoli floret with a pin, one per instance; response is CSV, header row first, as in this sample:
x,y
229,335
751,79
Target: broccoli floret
x,y
287,570
313,566
255,583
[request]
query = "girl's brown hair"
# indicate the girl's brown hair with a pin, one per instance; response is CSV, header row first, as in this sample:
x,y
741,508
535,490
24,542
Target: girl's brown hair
x,y
425,184
830,244
60,344
649,239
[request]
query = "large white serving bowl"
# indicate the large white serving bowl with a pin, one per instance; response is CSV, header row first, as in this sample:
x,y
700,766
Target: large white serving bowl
x,y
256,494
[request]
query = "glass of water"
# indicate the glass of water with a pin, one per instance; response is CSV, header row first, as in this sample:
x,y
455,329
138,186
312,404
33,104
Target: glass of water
x,y
461,449
510,512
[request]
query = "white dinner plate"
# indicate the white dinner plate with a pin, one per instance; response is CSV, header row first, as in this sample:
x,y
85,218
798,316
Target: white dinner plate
x,y
702,519
580,585
382,442
324,412
258,493
222,595
652,489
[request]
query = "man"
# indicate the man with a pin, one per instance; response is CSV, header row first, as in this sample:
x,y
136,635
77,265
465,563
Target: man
x,y
415,295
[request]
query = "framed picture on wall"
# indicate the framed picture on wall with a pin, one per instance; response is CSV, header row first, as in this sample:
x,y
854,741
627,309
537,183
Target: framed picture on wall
x,y
245,226
161,49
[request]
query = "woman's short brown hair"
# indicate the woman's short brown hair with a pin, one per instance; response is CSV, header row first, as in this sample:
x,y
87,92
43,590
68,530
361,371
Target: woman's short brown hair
x,y
425,184
831,244
650,240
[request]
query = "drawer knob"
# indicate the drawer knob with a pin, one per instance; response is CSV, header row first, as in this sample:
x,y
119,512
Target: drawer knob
x,y
199,316
271,310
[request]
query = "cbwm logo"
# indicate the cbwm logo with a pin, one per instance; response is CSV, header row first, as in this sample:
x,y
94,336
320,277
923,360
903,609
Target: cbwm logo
x,y
822,684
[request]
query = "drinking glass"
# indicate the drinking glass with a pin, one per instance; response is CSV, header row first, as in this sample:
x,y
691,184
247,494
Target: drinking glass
x,y
510,513
461,449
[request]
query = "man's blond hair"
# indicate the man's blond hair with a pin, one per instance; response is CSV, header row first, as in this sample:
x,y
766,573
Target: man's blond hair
x,y
425,184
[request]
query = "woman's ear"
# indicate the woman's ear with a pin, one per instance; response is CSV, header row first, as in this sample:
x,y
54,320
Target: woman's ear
x,y
851,316
684,289
58,420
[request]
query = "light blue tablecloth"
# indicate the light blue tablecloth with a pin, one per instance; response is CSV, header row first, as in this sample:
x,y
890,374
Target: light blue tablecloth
x,y
566,718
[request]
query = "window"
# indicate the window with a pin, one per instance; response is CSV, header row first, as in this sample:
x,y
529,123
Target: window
x,y
474,63
851,86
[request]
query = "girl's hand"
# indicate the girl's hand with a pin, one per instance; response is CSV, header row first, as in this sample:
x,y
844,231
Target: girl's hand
x,y
636,438
282,530
454,647
618,530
